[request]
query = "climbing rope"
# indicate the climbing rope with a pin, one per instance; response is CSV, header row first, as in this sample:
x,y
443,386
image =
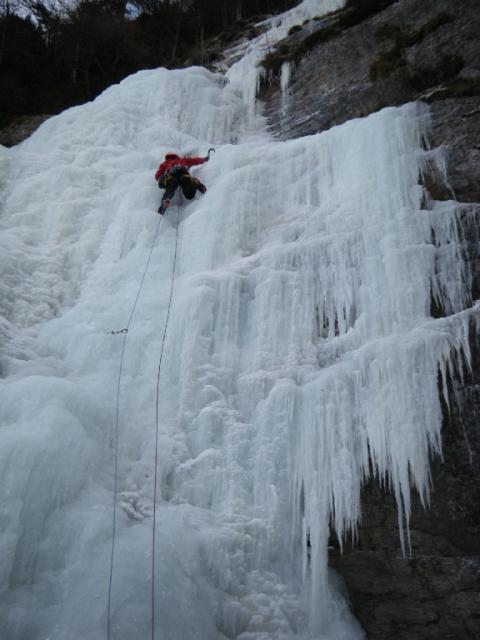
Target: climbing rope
x,y
117,415
172,282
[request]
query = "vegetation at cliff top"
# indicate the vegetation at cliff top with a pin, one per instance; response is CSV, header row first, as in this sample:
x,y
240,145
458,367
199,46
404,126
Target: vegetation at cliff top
x,y
58,53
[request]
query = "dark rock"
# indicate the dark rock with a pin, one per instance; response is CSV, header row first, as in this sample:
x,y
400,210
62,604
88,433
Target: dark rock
x,y
346,67
456,124
434,591
21,128
332,83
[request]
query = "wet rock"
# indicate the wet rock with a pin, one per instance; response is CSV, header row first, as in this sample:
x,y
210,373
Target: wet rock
x,y
21,128
404,51
436,59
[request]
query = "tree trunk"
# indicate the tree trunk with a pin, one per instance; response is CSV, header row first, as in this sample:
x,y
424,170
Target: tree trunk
x,y
4,33
87,84
76,59
202,43
224,15
176,38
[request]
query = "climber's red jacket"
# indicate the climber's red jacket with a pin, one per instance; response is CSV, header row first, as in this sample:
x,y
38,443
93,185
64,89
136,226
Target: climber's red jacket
x,y
171,159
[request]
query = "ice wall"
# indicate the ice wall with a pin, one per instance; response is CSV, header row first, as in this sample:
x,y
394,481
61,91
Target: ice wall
x,y
300,344
316,351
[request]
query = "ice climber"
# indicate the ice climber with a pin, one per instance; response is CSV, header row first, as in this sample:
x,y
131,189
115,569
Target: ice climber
x,y
173,173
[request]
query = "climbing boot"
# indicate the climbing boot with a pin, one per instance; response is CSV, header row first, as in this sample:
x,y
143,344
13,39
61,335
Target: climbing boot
x,y
201,187
164,206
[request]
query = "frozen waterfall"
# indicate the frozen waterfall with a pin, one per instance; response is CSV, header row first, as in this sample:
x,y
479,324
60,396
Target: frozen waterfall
x,y
300,358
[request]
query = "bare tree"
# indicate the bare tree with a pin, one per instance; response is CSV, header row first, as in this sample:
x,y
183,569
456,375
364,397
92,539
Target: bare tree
x,y
155,7
9,7
48,14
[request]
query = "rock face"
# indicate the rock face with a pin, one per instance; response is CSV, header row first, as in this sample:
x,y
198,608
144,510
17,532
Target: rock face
x,y
434,53
20,128
434,593
347,65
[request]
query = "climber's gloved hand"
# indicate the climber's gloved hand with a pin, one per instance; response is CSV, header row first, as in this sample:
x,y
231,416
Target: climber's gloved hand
x,y
206,158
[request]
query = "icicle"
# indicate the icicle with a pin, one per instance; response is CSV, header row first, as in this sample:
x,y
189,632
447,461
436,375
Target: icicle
x,y
301,356
285,76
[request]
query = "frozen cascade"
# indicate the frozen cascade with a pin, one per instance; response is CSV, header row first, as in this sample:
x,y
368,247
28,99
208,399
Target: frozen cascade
x,y
301,357
242,61
285,75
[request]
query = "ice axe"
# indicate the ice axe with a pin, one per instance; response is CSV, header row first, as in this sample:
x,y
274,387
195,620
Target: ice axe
x,y
209,152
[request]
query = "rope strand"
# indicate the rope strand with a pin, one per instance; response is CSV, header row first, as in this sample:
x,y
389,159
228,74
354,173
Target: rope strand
x,y
156,428
117,415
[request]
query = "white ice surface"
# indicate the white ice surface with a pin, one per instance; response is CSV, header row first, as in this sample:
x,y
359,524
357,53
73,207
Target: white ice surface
x,y
300,343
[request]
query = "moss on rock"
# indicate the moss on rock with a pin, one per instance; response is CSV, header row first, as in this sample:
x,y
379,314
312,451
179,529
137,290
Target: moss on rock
x,y
389,60
331,25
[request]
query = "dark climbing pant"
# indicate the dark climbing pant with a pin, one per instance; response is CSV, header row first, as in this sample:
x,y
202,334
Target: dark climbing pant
x,y
185,182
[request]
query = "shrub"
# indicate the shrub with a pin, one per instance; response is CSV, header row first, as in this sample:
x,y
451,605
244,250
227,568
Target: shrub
x,y
295,29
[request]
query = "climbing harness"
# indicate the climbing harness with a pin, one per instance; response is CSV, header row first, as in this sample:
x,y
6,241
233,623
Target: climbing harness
x,y
163,180
116,425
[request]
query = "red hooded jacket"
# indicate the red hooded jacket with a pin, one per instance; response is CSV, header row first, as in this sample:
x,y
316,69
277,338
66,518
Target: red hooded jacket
x,y
171,159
